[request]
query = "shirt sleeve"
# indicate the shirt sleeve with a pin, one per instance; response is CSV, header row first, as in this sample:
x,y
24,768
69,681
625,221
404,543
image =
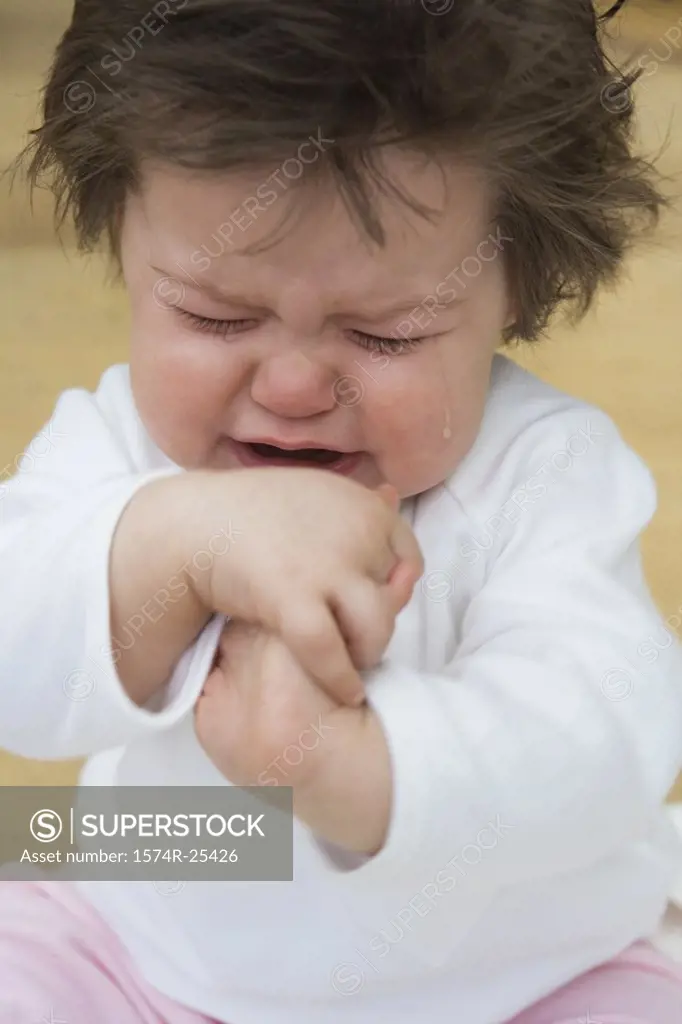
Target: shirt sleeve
x,y
60,694
551,739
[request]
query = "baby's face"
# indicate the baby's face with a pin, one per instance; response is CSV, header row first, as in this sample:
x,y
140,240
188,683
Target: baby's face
x,y
283,346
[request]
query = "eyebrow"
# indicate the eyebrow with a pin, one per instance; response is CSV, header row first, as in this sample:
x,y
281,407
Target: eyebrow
x,y
407,305
208,287
404,305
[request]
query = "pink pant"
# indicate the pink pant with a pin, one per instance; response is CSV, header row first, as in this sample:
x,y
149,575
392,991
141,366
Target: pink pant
x,y
59,962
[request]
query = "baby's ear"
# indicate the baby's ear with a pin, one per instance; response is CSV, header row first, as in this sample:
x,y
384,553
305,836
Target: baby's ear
x,y
512,314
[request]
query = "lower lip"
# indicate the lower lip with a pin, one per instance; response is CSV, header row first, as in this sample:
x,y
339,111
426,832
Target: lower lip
x,y
246,455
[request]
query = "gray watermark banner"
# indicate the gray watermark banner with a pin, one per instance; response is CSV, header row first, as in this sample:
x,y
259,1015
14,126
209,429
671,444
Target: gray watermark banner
x,y
145,833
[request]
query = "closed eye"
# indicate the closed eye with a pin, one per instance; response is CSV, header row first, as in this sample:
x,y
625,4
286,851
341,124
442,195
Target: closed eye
x,y
372,342
387,346
211,325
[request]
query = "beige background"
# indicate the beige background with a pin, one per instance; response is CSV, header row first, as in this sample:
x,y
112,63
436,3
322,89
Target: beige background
x,y
62,325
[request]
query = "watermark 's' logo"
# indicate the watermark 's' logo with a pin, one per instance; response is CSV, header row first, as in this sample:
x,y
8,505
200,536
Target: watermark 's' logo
x,y
46,826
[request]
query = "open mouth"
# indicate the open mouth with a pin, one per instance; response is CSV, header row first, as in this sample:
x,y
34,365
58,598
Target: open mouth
x,y
323,456
260,454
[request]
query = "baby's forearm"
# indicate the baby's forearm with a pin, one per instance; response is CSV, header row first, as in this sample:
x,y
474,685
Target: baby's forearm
x,y
156,612
347,798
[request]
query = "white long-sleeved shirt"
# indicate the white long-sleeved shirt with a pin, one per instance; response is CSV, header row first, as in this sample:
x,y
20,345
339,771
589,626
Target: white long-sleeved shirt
x,y
531,698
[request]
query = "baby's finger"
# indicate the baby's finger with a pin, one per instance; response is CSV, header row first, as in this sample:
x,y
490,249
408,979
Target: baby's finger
x,y
400,585
313,636
404,544
215,681
366,614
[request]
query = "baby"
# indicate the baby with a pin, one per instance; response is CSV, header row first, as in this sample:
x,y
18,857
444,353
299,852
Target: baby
x,y
321,502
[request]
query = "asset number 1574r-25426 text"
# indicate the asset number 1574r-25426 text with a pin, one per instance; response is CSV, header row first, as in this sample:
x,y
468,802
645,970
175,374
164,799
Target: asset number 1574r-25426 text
x,y
194,856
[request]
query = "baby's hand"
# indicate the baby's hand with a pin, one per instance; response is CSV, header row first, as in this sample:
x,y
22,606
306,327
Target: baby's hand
x,y
321,561
260,718
263,721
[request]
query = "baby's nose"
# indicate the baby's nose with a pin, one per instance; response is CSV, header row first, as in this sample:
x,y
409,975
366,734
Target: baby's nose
x,y
293,384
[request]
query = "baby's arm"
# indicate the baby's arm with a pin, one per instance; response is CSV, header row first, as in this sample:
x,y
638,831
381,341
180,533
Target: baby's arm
x,y
63,595
154,565
549,742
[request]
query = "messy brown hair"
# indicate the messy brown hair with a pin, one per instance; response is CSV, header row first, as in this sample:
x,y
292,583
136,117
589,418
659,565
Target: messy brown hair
x,y
521,87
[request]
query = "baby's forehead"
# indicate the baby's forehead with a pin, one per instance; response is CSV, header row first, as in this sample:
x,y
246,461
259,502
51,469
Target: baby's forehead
x,y
260,214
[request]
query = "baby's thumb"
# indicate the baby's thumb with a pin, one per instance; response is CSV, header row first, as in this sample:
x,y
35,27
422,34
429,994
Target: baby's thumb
x,y
402,578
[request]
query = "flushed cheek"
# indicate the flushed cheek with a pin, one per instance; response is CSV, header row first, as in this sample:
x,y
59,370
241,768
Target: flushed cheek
x,y
408,404
420,434
406,443
181,398
168,408
426,441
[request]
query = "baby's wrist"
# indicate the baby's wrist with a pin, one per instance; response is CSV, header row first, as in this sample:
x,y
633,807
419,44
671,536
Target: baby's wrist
x,y
346,799
203,528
